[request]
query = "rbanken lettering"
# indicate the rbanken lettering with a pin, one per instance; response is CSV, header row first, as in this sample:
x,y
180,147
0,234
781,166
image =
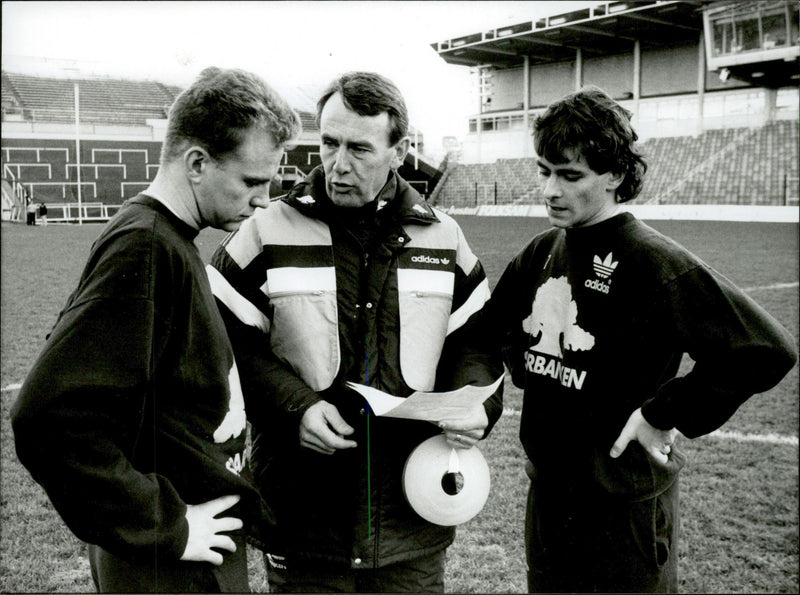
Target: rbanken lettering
x,y
547,365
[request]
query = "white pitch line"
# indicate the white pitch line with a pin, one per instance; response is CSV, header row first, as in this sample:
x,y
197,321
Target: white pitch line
x,y
790,285
763,438
721,434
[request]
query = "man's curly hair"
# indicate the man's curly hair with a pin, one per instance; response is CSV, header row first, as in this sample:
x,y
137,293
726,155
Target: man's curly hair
x,y
590,123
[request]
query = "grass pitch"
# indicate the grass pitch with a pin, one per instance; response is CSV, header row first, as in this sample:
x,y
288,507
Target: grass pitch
x,y
739,491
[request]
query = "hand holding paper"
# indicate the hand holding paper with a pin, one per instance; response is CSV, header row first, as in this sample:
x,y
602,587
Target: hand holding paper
x,y
465,431
434,407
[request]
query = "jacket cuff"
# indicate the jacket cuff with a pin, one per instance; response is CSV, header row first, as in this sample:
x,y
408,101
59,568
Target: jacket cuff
x,y
299,402
656,412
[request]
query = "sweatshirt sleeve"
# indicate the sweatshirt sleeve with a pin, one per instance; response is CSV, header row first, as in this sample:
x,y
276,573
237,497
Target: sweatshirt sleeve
x,y
504,314
738,348
468,356
80,411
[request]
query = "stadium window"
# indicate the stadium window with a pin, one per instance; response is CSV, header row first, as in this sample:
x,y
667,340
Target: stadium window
x,y
517,122
750,38
774,27
487,124
473,126
502,123
724,37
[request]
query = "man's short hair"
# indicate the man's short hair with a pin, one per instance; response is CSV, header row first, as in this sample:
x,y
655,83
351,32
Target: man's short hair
x,y
370,94
220,107
590,123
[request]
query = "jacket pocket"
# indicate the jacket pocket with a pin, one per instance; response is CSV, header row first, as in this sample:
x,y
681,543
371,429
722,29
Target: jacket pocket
x,y
305,334
425,300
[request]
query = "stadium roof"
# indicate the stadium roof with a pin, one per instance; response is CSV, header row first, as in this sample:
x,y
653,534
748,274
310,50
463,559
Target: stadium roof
x,y
607,28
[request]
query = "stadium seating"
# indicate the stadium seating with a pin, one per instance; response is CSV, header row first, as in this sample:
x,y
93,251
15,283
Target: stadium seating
x,y
731,166
112,169
104,100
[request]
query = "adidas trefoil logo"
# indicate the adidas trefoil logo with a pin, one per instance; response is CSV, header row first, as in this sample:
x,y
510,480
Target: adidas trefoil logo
x,y
604,268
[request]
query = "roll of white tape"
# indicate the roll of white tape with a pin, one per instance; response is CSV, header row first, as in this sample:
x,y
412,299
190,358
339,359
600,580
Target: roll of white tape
x,y
432,482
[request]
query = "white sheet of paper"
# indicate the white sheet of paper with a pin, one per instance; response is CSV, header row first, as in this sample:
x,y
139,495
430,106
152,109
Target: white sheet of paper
x,y
426,406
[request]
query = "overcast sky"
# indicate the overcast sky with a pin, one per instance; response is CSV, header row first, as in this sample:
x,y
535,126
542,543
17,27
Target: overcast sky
x,y
289,43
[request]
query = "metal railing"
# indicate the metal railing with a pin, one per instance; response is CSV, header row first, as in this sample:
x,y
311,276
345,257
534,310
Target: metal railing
x,y
70,212
16,210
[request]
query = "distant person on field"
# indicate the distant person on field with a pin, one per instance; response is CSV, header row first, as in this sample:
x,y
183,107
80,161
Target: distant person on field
x,y
30,213
593,317
43,213
132,418
352,276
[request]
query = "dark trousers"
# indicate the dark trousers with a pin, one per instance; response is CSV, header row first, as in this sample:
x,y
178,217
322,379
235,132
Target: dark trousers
x,y
420,575
112,574
604,544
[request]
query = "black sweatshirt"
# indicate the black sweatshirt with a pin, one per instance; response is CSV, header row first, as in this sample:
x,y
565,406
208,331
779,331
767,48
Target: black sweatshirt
x,y
594,322
121,417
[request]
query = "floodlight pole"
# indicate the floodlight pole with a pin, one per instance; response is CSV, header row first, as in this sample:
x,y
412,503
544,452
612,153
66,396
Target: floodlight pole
x,y
78,150
526,105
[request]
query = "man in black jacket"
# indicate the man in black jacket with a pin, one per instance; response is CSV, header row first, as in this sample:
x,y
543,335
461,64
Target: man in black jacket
x,y
594,316
132,418
352,276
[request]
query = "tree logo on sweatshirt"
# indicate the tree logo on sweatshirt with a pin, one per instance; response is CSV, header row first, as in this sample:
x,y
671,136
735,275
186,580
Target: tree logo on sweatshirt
x,y
553,327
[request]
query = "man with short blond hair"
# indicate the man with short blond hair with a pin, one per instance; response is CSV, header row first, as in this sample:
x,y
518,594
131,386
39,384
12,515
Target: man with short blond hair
x,y
132,418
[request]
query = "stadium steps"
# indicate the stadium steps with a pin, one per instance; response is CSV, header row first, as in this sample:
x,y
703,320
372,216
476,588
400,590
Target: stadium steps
x,y
730,166
9,93
704,168
101,100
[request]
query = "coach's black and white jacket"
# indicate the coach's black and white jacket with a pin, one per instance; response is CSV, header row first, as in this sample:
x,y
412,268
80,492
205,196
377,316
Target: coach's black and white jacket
x,y
387,295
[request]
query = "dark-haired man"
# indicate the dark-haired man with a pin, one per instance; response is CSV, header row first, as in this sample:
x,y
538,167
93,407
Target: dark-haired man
x,y
352,276
593,317
132,418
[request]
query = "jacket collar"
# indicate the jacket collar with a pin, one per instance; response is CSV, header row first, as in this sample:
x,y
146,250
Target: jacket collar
x,y
397,199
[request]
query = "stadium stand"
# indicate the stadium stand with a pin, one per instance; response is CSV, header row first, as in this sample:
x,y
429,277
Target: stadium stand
x,y
122,124
713,86
101,100
730,166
